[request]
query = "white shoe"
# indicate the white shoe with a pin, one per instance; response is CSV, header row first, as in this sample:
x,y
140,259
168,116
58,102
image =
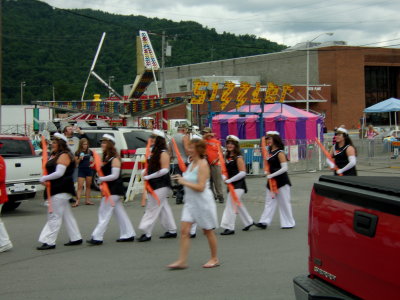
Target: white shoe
x,y
46,203
6,247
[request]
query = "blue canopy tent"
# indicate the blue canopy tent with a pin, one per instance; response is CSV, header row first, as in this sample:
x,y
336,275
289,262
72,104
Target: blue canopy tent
x,y
388,105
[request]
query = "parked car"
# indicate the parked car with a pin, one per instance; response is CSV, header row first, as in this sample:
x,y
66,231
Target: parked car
x,y
127,141
23,169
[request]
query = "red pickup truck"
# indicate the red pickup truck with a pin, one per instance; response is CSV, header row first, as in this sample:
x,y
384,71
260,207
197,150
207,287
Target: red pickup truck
x,y
354,239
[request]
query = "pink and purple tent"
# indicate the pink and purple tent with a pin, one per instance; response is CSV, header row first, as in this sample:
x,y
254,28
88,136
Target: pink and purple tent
x,y
292,123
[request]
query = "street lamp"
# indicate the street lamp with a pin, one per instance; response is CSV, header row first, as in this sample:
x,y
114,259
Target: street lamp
x,y
23,83
110,79
308,67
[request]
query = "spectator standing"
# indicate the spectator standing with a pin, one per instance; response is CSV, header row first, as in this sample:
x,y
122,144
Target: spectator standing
x,y
370,134
84,161
212,145
182,141
5,243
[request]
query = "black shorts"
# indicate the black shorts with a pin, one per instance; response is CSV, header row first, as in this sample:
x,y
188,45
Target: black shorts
x,y
85,172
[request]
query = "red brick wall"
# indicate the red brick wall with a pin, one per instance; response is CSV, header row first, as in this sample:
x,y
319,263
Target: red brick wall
x,y
343,68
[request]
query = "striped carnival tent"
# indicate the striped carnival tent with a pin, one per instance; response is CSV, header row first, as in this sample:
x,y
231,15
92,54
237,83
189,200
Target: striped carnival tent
x,y
292,123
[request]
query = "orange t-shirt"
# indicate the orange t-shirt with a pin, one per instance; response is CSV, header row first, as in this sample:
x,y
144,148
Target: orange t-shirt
x,y
212,151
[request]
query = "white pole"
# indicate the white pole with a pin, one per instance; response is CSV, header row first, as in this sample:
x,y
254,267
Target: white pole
x,y
319,149
395,120
93,64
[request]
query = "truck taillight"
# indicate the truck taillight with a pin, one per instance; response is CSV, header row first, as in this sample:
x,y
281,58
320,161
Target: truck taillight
x,y
127,153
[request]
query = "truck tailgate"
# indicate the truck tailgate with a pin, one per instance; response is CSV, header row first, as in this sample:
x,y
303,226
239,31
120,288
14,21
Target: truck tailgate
x,y
23,169
354,235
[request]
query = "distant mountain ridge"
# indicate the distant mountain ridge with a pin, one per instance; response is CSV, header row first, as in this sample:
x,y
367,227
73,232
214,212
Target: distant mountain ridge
x,y
47,47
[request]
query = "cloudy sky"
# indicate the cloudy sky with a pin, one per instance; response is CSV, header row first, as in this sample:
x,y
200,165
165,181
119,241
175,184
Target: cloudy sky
x,y
358,22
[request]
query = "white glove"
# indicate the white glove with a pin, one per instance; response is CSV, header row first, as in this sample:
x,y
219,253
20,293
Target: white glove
x,y
330,163
352,163
283,169
113,176
223,177
237,177
58,173
157,174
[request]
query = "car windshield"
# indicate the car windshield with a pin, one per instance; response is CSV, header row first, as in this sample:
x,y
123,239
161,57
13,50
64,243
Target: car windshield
x,y
136,139
12,147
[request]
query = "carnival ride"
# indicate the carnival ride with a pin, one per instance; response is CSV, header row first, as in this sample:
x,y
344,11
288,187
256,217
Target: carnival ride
x,y
120,106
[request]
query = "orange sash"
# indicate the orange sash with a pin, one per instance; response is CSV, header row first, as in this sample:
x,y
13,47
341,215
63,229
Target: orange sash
x,y
235,199
272,181
181,163
45,158
328,155
146,183
103,186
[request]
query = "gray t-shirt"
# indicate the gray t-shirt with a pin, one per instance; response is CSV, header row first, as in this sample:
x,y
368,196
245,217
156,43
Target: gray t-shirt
x,y
178,137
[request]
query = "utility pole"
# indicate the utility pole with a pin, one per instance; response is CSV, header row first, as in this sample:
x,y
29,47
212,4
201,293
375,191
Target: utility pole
x,y
163,89
54,93
23,83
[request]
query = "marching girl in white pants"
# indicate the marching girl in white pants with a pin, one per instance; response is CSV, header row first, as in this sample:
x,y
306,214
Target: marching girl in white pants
x,y
278,170
237,172
60,167
112,175
158,177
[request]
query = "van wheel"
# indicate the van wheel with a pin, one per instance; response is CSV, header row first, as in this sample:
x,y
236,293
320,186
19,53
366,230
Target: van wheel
x,y
10,206
95,182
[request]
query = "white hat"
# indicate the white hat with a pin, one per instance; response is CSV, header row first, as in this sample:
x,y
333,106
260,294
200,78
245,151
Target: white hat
x,y
108,137
233,137
272,133
61,137
158,133
342,130
196,137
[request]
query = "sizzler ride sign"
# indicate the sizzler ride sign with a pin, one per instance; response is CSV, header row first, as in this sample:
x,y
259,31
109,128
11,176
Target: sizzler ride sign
x,y
200,93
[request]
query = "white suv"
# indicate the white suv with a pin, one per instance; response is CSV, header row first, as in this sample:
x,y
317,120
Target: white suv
x,y
127,141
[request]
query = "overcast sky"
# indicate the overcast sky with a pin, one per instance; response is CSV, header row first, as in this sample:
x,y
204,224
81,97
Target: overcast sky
x,y
358,22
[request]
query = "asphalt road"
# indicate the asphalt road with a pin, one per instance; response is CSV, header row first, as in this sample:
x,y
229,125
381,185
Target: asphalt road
x,y
258,264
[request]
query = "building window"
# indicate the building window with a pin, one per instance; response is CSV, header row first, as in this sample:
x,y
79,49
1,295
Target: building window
x,y
183,88
381,83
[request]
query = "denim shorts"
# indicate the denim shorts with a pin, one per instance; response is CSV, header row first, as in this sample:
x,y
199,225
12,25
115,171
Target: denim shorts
x,y
85,172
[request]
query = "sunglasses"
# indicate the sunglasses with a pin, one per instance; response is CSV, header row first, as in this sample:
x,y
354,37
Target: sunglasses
x,y
153,136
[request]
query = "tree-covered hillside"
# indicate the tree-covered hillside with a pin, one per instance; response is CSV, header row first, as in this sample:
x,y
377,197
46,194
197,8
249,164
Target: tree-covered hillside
x,y
45,47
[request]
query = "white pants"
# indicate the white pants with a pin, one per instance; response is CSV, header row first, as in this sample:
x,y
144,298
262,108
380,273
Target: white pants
x,y
4,239
282,198
229,215
153,211
105,212
61,212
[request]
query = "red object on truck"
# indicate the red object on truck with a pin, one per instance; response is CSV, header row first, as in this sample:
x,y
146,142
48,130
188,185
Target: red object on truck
x,y
354,239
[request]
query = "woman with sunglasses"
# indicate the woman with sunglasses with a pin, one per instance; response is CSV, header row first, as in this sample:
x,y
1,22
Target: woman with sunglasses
x,y
278,170
158,177
60,168
237,172
344,154
112,176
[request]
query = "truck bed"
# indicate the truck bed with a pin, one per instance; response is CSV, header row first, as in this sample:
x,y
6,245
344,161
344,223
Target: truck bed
x,y
354,235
